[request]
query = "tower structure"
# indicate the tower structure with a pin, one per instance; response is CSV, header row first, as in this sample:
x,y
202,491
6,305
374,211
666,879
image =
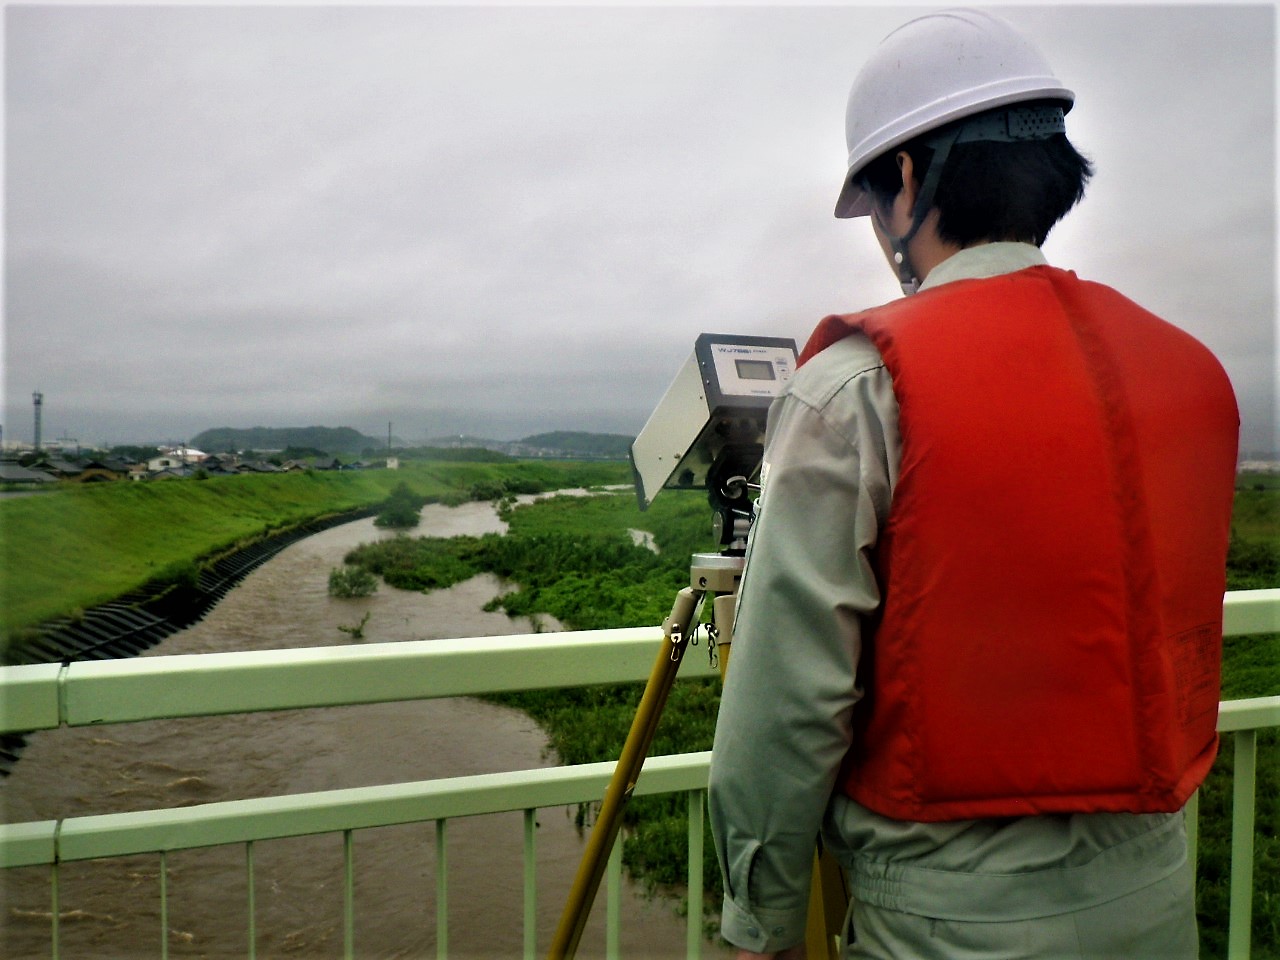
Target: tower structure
x,y
37,399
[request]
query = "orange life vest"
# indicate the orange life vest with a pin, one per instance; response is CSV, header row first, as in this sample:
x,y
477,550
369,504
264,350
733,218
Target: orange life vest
x,y
1053,564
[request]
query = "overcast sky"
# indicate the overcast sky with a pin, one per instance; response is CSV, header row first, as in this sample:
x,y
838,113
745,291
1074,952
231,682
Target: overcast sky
x,y
501,221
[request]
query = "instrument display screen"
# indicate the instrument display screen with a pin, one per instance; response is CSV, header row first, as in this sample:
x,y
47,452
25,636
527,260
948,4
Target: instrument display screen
x,y
755,369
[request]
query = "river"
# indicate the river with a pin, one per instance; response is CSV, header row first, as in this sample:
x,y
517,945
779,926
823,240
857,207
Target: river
x,y
111,908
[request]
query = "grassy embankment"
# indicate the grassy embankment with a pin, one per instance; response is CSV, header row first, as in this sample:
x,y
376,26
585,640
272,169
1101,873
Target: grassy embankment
x,y
65,550
574,559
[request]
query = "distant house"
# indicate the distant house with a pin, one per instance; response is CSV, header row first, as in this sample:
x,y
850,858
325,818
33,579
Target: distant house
x,y
166,461
80,471
58,468
99,471
118,465
186,454
13,472
220,465
258,466
180,472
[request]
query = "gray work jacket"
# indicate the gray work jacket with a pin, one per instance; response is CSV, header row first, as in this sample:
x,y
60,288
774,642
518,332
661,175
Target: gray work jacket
x,y
831,460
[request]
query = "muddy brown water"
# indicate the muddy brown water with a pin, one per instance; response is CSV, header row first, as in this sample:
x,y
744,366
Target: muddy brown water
x,y
111,908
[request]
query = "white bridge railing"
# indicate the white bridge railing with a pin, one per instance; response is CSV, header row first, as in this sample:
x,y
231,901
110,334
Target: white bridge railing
x,y
46,696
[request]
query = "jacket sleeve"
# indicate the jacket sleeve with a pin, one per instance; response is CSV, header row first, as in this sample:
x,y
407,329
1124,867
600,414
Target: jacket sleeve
x,y
784,723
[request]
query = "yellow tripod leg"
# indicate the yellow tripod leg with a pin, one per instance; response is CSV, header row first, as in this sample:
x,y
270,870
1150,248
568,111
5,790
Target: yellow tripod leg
x,y
643,726
828,904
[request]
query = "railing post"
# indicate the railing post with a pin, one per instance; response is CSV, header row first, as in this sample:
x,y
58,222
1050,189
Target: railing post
x,y
1243,790
57,912
530,885
164,907
693,943
442,893
348,896
253,908
613,902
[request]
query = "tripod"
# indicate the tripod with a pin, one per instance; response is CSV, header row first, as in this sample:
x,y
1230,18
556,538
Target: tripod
x,y
717,575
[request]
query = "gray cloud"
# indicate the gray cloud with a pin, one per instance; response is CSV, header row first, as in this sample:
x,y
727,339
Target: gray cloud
x,y
504,220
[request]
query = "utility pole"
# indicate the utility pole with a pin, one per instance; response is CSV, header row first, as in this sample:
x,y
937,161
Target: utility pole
x,y
37,399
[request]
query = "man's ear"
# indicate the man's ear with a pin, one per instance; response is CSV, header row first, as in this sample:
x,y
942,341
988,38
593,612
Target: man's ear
x,y
899,213
910,186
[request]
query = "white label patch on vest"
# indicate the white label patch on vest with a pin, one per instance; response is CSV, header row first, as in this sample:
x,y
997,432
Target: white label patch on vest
x,y
1195,654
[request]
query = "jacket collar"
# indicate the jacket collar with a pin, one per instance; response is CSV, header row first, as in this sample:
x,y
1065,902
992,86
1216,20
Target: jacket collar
x,y
984,260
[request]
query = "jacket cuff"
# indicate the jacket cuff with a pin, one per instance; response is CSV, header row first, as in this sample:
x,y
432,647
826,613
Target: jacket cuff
x,y
761,930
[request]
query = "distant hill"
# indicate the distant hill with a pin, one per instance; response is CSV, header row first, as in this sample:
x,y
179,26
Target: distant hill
x,y
330,439
560,443
609,446
345,440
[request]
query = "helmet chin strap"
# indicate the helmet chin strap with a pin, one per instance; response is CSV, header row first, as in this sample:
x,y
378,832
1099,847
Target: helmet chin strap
x,y
924,203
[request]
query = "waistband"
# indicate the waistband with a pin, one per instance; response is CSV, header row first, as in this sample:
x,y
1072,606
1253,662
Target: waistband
x,y
977,897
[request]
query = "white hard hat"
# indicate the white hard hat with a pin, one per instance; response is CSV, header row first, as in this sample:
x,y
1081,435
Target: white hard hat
x,y
930,71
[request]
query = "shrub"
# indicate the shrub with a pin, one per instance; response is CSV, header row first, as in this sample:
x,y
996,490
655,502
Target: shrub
x,y
350,582
401,509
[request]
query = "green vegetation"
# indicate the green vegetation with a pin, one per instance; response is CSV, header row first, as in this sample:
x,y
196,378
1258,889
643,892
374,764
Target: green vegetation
x,y
574,558
1250,668
349,582
85,544
356,631
131,451
401,509
1254,559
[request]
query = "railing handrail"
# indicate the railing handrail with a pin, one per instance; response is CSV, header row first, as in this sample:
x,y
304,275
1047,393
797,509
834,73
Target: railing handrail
x,y
45,696
355,808
331,811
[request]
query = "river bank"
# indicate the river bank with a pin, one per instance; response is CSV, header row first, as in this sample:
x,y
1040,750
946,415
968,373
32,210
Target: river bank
x,y
82,545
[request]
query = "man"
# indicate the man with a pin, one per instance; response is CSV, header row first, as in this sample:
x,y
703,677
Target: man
x,y
979,625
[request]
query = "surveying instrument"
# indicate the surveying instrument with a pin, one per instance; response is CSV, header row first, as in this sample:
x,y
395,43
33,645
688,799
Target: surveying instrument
x,y
707,432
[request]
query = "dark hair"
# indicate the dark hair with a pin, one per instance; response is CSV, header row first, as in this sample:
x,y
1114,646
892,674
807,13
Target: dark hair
x,y
991,190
